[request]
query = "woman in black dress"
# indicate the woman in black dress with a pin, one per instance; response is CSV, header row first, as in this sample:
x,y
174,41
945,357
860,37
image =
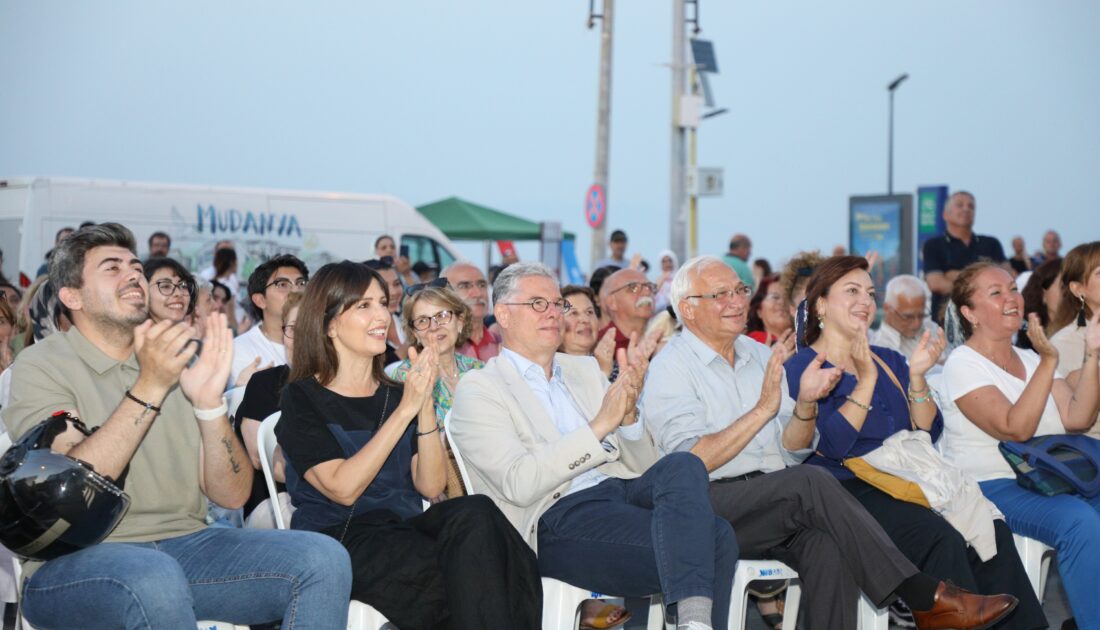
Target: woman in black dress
x,y
363,450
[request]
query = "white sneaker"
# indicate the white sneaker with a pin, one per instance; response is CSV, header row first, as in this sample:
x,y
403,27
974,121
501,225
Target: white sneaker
x,y
693,625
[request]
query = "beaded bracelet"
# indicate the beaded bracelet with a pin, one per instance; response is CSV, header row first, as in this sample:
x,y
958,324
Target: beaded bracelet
x,y
916,400
858,404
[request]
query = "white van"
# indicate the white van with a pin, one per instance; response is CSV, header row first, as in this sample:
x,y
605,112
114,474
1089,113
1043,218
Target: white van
x,y
316,227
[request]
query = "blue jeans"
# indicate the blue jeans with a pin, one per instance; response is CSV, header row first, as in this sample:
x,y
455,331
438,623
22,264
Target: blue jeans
x,y
654,534
1070,524
242,576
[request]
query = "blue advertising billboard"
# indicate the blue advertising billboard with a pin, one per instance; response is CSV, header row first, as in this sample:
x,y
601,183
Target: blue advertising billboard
x,y
882,224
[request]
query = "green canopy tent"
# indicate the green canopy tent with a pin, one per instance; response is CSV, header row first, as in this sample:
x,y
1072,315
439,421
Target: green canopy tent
x,y
463,220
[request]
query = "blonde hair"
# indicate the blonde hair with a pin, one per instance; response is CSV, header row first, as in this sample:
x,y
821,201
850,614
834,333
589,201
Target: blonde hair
x,y
446,298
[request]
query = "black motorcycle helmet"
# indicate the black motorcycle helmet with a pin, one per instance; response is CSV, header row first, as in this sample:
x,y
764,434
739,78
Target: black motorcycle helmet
x,y
51,504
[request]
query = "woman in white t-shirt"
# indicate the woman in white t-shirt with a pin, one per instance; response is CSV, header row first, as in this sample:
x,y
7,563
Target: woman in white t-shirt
x,y
998,392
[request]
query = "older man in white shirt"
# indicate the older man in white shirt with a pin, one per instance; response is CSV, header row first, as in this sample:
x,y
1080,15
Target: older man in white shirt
x,y
722,396
906,319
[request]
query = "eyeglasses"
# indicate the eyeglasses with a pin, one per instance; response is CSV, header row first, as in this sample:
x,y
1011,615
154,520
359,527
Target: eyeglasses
x,y
288,331
540,304
742,291
635,287
285,284
167,287
438,283
442,318
466,286
910,317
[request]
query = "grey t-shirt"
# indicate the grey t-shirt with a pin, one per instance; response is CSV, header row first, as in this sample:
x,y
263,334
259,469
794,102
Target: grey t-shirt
x,y
66,372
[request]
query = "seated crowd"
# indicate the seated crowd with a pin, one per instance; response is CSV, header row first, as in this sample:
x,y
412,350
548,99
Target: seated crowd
x,y
447,443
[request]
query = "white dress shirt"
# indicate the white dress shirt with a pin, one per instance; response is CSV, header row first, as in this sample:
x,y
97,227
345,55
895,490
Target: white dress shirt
x,y
563,410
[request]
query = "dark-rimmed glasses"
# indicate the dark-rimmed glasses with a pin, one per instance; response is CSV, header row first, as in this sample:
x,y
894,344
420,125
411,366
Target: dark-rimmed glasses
x,y
288,331
285,284
167,287
540,304
424,322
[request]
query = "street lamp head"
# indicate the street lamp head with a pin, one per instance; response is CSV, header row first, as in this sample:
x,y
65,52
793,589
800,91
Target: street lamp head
x,y
898,81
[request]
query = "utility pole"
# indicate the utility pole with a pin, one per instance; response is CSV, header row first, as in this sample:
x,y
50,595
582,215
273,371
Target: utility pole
x,y
677,232
603,119
890,143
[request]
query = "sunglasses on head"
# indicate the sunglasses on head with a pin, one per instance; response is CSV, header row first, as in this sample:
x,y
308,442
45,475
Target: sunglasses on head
x,y
438,283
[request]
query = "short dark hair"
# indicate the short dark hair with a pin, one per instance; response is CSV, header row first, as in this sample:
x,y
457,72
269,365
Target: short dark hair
x,y
67,263
577,289
155,264
336,288
223,260
229,297
257,282
159,234
618,235
596,280
823,279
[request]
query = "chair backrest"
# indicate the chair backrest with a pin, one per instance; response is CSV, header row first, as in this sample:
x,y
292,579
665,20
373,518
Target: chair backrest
x,y
458,456
233,399
266,443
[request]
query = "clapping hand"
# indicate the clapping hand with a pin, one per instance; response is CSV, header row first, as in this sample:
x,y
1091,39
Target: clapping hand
x,y
817,381
1038,337
204,382
771,392
862,360
420,380
605,351
927,353
1092,333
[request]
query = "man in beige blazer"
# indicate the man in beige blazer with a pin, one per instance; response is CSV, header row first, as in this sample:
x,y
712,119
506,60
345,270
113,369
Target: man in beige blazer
x,y
566,459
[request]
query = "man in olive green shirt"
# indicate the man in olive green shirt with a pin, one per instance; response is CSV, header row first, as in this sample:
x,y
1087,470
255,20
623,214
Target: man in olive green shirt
x,y
162,432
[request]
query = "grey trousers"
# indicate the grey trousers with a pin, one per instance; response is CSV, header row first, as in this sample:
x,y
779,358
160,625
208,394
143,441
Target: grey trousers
x,y
804,518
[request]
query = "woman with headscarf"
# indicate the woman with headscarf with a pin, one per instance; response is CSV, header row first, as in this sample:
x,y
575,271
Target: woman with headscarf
x,y
669,264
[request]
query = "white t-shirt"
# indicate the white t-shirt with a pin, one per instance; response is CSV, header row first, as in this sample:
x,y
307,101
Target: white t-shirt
x,y
254,344
970,448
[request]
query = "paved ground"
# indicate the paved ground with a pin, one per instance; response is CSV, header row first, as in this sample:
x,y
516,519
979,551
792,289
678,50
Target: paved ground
x,y
1055,605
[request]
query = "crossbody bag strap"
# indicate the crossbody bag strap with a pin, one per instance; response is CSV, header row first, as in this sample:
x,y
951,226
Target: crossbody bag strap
x,y
897,383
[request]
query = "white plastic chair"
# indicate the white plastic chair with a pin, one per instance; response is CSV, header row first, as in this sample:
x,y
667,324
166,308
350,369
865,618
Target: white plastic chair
x,y
266,444
203,625
1035,556
360,615
751,570
233,399
872,617
560,601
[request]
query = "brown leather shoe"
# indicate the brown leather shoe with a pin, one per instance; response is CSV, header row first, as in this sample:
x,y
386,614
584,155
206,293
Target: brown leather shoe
x,y
957,609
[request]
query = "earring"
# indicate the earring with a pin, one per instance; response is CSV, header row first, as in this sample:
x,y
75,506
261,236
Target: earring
x,y
821,322
1081,322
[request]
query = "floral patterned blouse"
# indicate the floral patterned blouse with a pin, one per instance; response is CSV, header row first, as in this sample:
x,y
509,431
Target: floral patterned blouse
x,y
442,396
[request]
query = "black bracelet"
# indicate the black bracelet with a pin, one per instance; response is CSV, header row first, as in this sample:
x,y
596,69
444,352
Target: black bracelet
x,y
437,427
148,406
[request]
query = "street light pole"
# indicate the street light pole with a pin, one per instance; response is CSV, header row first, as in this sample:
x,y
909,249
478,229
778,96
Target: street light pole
x,y
890,145
678,163
603,122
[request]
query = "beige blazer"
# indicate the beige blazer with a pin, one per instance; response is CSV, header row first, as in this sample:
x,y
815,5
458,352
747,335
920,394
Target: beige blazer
x,y
512,448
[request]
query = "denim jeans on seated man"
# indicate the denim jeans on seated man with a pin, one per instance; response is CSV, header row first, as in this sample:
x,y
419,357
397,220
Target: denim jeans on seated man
x,y
239,576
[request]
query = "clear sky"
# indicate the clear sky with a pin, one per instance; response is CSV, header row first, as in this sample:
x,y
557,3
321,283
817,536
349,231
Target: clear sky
x,y
495,101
